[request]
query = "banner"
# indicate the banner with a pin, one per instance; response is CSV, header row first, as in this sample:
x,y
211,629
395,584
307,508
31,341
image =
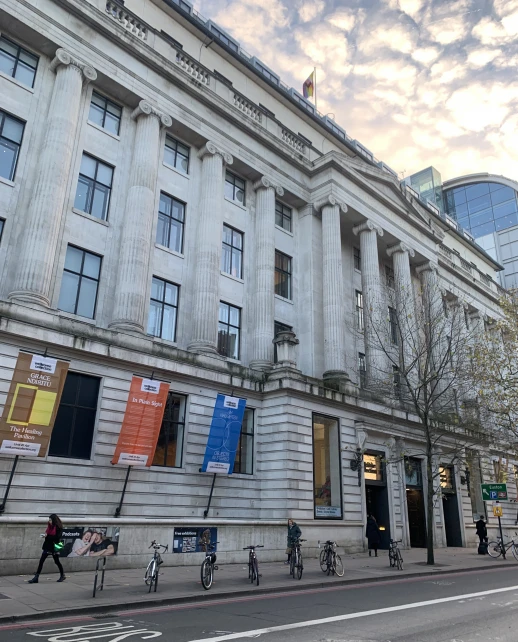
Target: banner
x,y
90,541
142,422
224,434
32,404
194,539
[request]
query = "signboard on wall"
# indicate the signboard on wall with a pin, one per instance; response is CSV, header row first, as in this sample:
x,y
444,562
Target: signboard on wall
x,y
193,539
90,541
141,424
224,434
32,404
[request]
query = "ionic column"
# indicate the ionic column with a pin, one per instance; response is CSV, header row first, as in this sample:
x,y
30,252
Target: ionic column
x,y
264,295
139,215
46,206
208,250
373,304
333,290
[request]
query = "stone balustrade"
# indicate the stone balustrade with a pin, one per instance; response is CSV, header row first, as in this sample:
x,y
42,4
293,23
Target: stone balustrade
x,y
248,108
127,19
293,141
194,69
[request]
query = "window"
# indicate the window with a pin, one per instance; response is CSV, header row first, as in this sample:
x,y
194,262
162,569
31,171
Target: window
x,y
232,255
94,187
73,431
357,259
282,275
17,62
229,330
2,223
389,276
80,282
176,154
171,221
234,188
359,311
373,468
163,310
244,462
447,479
393,326
413,472
169,446
105,113
327,484
11,132
362,369
279,327
283,216
396,382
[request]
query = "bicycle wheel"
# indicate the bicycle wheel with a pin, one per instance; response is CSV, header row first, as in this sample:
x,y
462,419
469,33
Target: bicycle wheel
x,y
338,567
293,560
514,551
300,567
255,571
323,560
157,571
399,560
392,559
206,574
150,573
494,549
250,570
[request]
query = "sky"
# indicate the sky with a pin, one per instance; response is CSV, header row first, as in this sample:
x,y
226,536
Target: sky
x,y
418,82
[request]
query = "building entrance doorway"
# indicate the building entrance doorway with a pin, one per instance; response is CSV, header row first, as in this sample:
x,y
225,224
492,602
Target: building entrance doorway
x,y
376,494
450,507
415,503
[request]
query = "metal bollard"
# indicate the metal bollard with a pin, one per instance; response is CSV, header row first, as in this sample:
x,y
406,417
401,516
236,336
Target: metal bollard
x,y
101,586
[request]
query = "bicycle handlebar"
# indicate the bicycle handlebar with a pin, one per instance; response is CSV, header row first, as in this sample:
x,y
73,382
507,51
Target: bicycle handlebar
x,y
251,548
154,544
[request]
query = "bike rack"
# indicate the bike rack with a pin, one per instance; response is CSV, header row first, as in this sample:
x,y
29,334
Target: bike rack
x,y
103,570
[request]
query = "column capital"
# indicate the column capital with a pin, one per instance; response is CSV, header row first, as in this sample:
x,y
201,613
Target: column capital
x,y
145,108
65,58
330,201
426,267
211,149
400,247
266,183
367,226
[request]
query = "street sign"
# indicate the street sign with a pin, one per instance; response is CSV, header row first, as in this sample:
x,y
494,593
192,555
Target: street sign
x,y
497,511
494,492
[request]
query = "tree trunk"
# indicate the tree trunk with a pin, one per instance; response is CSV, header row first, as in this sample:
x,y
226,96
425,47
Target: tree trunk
x,y
430,559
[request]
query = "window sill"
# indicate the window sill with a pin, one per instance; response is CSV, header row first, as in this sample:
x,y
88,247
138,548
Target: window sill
x,y
164,342
16,82
104,131
281,229
357,271
176,171
230,360
281,298
230,276
53,459
90,217
169,251
172,469
241,207
76,317
6,181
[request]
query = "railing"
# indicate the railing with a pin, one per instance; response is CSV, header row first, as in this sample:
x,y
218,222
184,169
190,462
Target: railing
x,y
193,68
248,108
466,265
293,141
127,19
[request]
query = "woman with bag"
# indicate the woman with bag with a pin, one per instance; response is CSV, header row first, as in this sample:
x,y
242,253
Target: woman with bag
x,y
294,534
372,533
51,546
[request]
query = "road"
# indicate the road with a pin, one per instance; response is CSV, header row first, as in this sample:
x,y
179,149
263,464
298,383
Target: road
x,y
463,607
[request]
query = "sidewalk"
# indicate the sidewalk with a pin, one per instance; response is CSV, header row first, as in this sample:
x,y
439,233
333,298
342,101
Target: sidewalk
x,y
125,588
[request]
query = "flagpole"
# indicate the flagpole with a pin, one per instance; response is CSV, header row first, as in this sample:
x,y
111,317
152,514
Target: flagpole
x,y
315,74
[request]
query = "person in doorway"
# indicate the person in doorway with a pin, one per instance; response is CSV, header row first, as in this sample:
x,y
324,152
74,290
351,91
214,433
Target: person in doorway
x,y
481,530
372,533
294,533
52,537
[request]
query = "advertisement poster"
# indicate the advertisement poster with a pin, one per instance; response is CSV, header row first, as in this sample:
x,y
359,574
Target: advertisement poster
x,y
193,539
90,541
224,434
32,404
142,421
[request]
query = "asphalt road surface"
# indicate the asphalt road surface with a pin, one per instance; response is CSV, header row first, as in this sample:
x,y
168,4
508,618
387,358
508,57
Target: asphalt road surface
x,y
463,607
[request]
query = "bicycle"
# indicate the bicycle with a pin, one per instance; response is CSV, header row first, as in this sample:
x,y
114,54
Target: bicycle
x,y
152,571
395,557
330,561
208,566
253,564
296,559
495,549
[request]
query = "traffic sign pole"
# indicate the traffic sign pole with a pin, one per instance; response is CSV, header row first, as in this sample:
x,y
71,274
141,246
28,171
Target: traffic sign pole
x,y
501,532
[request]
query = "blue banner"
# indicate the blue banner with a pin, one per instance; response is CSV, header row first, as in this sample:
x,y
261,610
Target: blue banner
x,y
224,433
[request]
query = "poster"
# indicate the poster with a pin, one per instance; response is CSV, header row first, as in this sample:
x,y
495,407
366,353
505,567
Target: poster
x,y
192,539
32,404
328,511
224,434
142,422
90,541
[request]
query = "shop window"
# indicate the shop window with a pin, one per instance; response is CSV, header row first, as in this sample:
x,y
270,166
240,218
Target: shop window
x,y
169,446
326,468
244,462
447,479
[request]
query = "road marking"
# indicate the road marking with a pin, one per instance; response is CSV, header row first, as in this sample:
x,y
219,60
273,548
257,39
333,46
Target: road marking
x,y
353,616
89,632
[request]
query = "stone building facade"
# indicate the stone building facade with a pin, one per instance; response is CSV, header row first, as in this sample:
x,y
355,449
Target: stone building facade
x,y
168,208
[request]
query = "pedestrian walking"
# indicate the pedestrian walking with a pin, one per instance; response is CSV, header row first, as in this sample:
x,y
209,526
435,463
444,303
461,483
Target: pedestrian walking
x,y
372,533
52,538
294,533
482,535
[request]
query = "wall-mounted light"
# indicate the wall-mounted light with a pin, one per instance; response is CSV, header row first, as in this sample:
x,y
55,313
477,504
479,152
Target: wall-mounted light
x,y
356,464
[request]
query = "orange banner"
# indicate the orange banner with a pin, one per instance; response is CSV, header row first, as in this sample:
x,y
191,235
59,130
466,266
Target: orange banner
x,y
142,422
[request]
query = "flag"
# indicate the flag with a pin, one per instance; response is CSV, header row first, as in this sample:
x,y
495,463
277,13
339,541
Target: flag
x,y
308,88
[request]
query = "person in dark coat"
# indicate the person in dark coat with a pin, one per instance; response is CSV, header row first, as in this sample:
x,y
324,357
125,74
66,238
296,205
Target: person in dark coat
x,y
52,536
372,533
481,529
294,533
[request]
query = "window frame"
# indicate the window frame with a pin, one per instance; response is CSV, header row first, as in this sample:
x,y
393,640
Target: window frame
x,y
229,325
284,216
177,142
362,370
393,326
95,182
163,305
183,413
80,275
170,221
284,272
357,259
20,49
240,445
108,101
360,316
390,279
14,167
233,247
340,472
232,182
2,228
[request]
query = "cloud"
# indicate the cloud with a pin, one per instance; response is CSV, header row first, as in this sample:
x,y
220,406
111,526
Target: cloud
x,y
311,9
